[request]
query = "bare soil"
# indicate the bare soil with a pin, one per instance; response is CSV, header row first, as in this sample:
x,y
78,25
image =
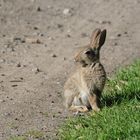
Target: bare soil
x,y
38,39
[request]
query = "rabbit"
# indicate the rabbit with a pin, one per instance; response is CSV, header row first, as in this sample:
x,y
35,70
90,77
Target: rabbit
x,y
82,90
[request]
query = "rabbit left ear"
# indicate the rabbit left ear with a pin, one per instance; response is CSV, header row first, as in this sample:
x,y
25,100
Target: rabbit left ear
x,y
102,38
98,38
94,37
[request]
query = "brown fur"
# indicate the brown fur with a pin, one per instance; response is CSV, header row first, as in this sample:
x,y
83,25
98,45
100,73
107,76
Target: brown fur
x,y
83,89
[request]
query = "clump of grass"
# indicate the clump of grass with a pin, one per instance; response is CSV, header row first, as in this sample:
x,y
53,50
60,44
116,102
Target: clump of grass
x,y
18,138
120,115
35,134
124,86
31,134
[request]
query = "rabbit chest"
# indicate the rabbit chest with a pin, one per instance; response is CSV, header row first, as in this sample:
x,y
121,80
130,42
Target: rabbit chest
x,y
93,78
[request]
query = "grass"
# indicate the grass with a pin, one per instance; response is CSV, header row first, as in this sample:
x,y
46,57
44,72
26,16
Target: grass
x,y
18,138
120,115
35,134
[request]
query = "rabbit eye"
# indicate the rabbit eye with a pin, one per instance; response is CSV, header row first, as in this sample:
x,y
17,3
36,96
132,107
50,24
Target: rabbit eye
x,y
89,52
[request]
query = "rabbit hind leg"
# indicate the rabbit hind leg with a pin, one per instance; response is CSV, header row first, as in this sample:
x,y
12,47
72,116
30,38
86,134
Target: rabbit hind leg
x,y
94,102
78,109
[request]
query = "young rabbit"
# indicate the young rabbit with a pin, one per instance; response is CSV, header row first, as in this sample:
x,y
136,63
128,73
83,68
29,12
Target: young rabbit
x,y
83,89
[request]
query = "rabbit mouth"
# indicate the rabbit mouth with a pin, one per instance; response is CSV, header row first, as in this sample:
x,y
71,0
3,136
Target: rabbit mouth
x,y
84,64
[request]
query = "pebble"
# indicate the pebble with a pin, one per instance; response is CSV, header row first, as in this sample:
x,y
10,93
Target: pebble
x,y
115,43
49,6
39,9
35,28
16,119
50,38
36,70
2,101
2,60
104,22
7,114
125,32
119,35
33,40
18,65
19,39
59,25
54,55
14,85
2,50
40,34
68,35
66,11
45,45
84,35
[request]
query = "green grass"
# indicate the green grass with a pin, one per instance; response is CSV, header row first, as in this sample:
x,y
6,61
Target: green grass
x,y
120,115
18,138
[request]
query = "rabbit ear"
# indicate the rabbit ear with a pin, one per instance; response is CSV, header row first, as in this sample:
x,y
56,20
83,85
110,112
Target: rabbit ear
x,y
98,38
94,37
102,38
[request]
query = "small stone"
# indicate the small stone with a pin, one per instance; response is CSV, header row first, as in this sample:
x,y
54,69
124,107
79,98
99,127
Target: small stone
x,y
33,40
14,85
35,28
16,119
119,35
18,65
21,78
2,101
59,112
49,7
19,39
45,45
59,25
84,35
54,55
7,114
36,70
68,35
50,38
125,33
39,9
66,11
104,22
115,44
40,34
2,60
64,58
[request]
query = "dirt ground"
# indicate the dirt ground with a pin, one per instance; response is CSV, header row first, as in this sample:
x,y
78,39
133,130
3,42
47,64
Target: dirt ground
x,y
37,41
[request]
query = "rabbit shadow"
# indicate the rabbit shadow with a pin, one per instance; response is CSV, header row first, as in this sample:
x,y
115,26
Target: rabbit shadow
x,y
119,98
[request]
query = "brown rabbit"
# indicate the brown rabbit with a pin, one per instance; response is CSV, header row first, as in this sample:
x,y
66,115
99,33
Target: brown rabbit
x,y
83,89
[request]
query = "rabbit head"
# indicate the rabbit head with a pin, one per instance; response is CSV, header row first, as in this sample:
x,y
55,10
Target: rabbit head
x,y
91,53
